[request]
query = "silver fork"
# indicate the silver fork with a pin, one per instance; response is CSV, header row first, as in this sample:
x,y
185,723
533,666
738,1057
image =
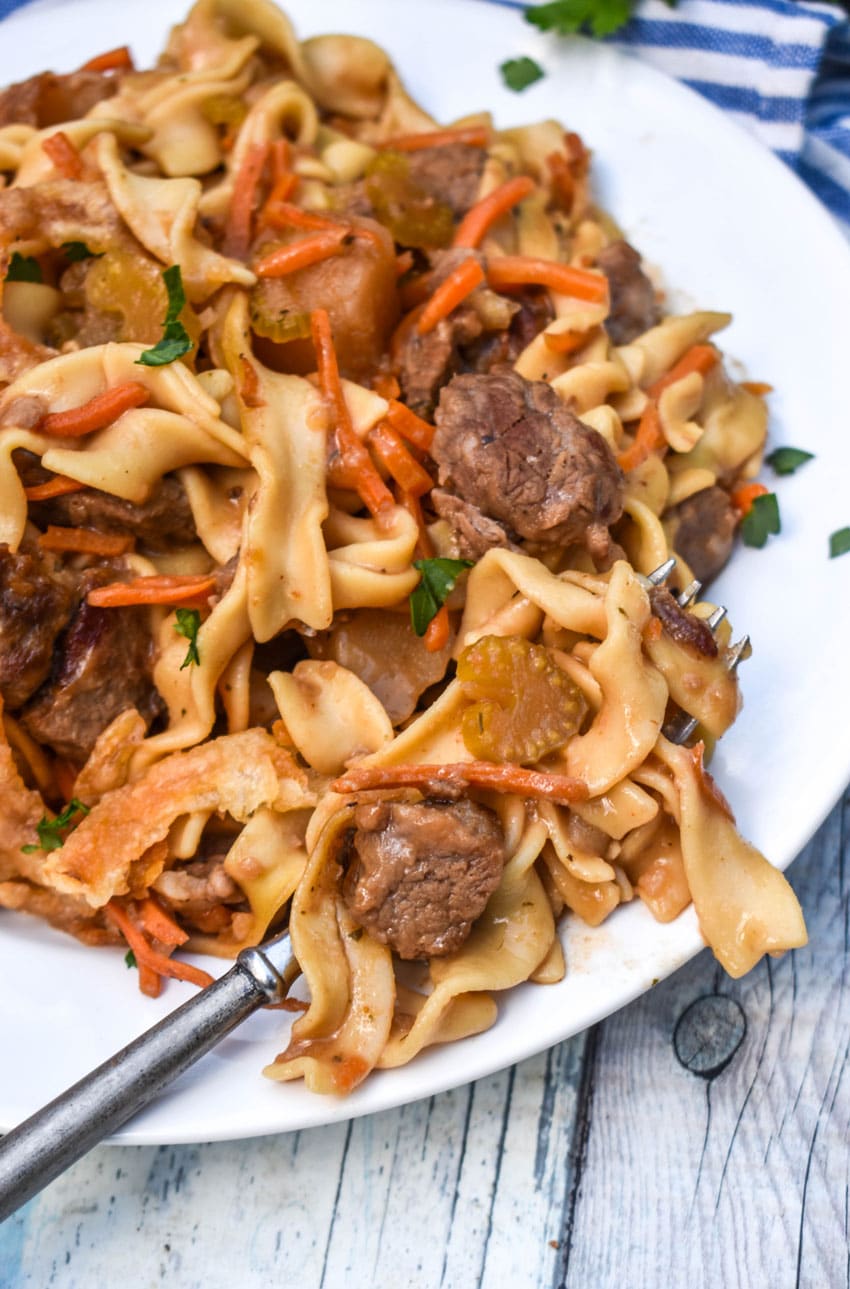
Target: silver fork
x,y
681,726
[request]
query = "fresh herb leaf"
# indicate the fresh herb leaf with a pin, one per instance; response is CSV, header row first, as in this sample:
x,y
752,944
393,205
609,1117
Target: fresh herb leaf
x,y
787,460
76,251
130,959
761,520
438,581
23,268
176,340
839,542
519,73
594,17
50,830
187,625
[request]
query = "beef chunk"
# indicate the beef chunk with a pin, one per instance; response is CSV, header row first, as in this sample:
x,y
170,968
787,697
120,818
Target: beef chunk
x,y
36,602
514,450
681,626
702,531
634,308
450,174
196,892
161,523
101,666
473,534
421,874
427,362
49,99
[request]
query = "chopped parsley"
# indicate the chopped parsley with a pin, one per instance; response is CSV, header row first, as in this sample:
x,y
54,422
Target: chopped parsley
x,y
787,460
595,17
23,268
176,340
761,520
50,830
130,959
839,542
438,581
75,251
519,73
187,625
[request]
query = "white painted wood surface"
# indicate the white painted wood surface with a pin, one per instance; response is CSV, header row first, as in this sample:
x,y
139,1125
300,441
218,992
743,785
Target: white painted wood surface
x,y
601,1163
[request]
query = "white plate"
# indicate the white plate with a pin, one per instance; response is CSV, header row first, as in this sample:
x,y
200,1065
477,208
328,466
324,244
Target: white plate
x,y
732,229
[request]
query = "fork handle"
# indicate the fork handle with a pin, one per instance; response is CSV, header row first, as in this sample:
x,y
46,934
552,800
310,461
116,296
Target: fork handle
x,y
55,1137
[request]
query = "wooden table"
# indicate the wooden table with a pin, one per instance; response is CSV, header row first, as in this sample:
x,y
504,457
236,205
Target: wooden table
x,y
606,1161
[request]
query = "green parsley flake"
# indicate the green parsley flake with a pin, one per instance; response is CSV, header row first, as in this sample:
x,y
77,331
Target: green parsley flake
x,y
187,625
519,73
438,581
176,340
839,542
130,959
76,251
50,830
761,520
787,460
23,268
594,17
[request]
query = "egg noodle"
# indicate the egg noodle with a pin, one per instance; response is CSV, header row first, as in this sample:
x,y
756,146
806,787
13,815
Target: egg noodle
x,y
270,739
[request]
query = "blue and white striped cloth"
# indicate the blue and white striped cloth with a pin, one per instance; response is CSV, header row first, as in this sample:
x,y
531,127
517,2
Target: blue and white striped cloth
x,y
779,67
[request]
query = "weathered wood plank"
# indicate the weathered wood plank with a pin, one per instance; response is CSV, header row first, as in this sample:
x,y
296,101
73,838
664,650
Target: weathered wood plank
x,y
741,1179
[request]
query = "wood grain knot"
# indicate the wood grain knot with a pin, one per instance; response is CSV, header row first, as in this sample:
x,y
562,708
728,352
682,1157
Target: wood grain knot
x,y
708,1034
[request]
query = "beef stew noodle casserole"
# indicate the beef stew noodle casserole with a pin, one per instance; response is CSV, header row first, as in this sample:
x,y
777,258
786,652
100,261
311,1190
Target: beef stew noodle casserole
x,y
336,446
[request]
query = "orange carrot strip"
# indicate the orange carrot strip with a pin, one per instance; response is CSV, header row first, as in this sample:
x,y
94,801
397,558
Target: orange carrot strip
x,y
385,385
97,413
758,387
567,342
649,437
145,954
249,388
237,235
410,426
288,215
65,777
58,486
63,154
301,254
374,493
404,263
114,60
84,539
742,498
474,136
478,774
150,983
481,217
699,358
404,468
424,545
438,630
151,590
159,924
451,292
521,270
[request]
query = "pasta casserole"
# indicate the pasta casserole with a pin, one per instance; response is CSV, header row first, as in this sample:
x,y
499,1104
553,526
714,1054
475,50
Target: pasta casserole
x,y
337,447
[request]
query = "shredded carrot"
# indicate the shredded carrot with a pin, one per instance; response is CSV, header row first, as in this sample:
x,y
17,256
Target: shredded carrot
x,y
567,342
410,426
65,777
385,385
371,488
86,540
150,983
58,486
520,270
301,254
474,136
480,218
148,956
283,182
438,631
174,589
699,358
287,215
249,390
159,924
97,413
237,237
451,292
648,438
63,154
114,60
742,498
757,387
404,468
424,545
404,263
478,774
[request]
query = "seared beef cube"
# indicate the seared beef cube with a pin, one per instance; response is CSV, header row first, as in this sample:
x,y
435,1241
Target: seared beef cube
x,y
634,308
513,449
420,874
702,531
451,174
161,523
48,99
36,602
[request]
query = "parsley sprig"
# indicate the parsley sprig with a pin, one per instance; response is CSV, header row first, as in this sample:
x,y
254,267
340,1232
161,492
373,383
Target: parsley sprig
x,y
176,340
787,460
761,520
50,831
438,581
187,625
593,17
519,73
23,268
